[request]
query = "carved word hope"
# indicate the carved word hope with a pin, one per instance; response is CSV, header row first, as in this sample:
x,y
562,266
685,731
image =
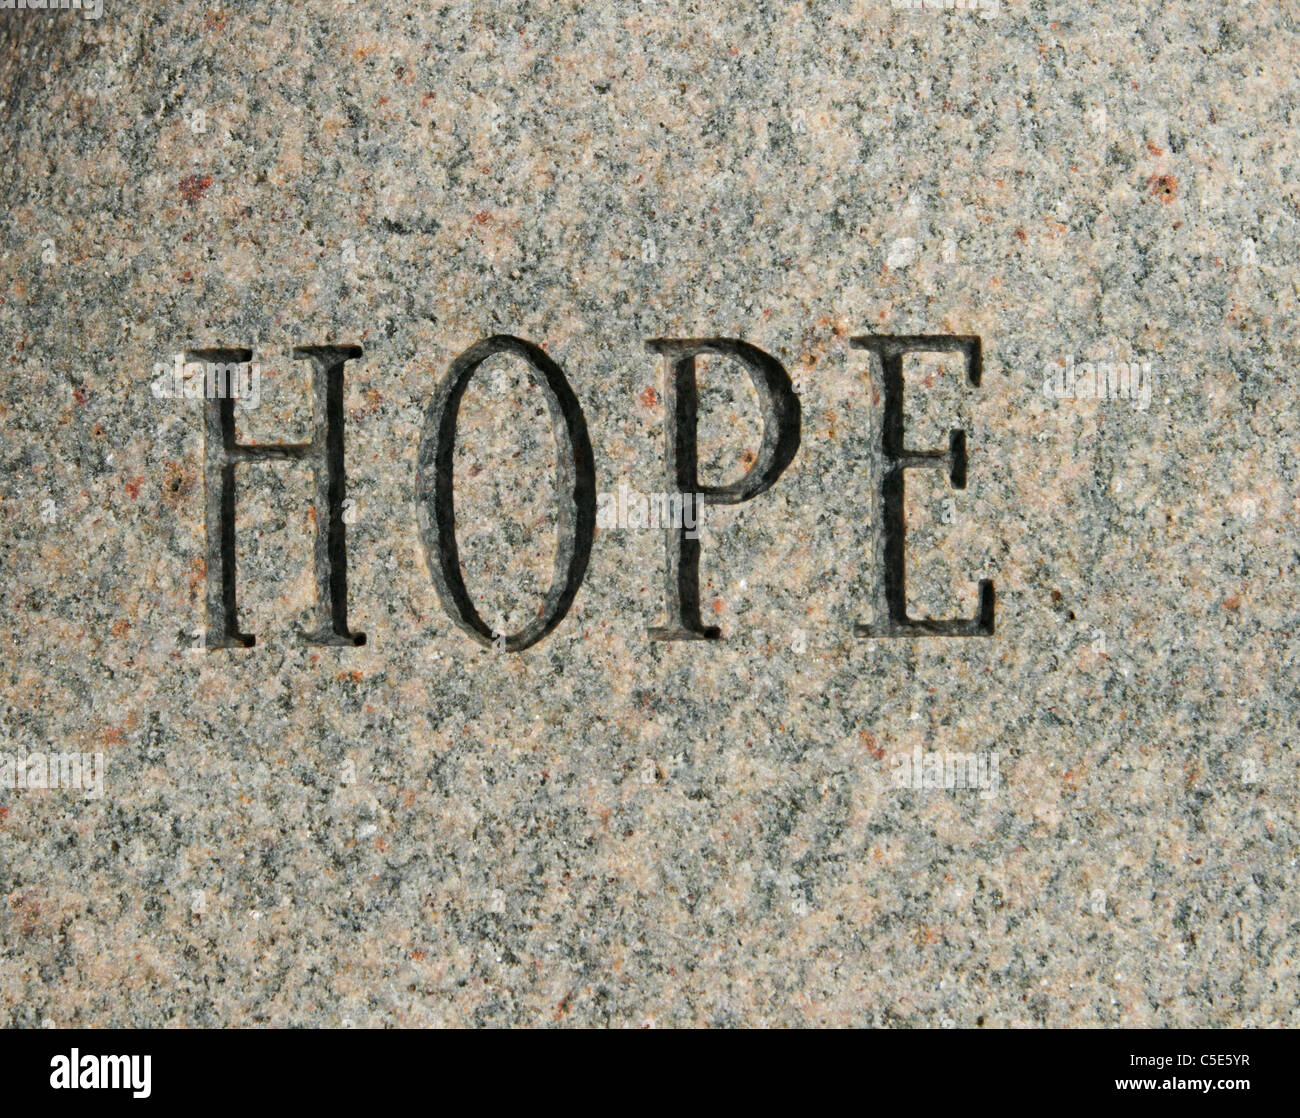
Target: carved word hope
x,y
576,485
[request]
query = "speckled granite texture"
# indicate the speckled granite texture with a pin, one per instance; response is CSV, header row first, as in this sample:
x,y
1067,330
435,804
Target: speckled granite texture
x,y
602,829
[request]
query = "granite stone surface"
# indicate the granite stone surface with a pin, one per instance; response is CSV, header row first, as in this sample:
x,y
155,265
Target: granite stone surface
x,y
605,829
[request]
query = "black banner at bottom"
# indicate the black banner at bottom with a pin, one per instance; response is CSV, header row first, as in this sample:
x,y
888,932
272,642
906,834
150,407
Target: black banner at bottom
x,y
223,1068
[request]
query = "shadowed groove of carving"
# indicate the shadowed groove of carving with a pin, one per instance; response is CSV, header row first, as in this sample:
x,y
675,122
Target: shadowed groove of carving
x,y
781,429
325,455
575,489
891,541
